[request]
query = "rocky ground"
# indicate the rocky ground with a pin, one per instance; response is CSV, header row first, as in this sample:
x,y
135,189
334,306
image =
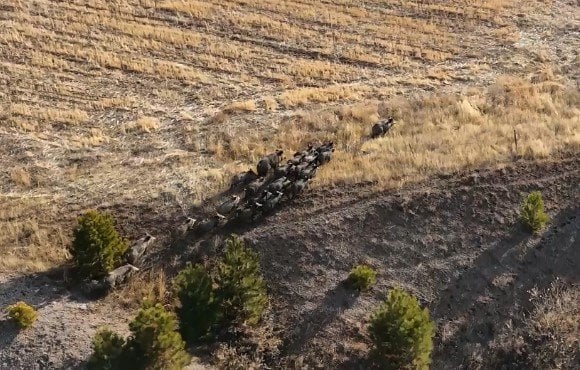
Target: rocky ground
x,y
61,336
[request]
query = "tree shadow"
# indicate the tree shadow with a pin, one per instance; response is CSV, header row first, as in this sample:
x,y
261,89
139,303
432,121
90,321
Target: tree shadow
x,y
334,302
9,330
37,289
497,288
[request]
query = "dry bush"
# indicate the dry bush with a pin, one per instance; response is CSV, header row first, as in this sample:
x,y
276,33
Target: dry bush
x,y
549,337
151,286
241,106
143,124
554,327
249,350
95,138
230,358
21,177
363,113
270,103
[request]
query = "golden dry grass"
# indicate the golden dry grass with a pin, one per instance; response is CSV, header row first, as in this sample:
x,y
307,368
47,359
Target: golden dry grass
x,y
151,285
28,242
143,125
241,106
158,102
434,133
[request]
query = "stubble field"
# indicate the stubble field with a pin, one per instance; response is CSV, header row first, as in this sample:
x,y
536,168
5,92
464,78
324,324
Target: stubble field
x,y
146,108
130,102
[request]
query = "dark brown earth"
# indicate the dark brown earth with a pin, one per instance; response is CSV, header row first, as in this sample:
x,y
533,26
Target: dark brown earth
x,y
454,241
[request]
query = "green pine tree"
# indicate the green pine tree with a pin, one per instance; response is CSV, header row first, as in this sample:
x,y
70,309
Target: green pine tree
x,y
241,291
107,351
401,333
154,343
97,248
197,311
532,212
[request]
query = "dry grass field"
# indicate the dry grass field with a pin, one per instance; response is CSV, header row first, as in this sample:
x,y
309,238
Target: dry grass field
x,y
145,108
138,102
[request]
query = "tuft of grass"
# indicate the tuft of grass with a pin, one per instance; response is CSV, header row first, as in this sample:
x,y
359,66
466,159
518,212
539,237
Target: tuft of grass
x,y
66,116
23,314
143,124
21,177
241,106
362,277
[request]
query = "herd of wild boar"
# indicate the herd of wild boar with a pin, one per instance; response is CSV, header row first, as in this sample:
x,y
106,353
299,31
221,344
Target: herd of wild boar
x,y
257,193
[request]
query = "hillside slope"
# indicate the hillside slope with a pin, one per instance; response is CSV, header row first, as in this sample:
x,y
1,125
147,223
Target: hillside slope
x,y
144,109
454,241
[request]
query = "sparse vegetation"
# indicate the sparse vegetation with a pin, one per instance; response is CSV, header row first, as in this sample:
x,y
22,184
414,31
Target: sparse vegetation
x,y
241,292
241,106
549,337
532,212
555,316
23,314
197,311
143,125
401,333
97,248
362,277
